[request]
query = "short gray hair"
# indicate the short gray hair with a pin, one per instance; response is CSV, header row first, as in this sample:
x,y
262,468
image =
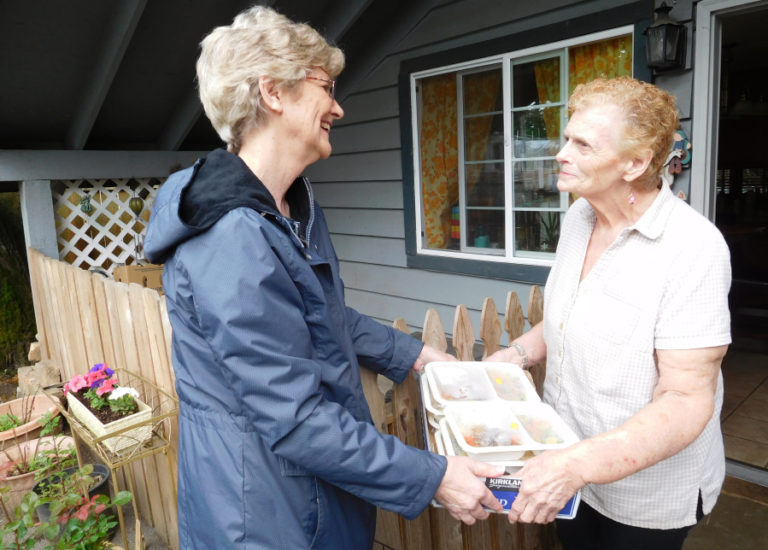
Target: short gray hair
x,y
259,42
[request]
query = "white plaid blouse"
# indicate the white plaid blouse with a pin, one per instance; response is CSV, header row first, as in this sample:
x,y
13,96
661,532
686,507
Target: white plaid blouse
x,y
663,284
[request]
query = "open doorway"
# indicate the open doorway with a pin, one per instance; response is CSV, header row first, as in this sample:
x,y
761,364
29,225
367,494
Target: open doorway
x,y
741,214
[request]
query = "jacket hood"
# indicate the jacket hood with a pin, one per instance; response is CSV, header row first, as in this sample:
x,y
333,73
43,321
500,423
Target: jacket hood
x,y
194,199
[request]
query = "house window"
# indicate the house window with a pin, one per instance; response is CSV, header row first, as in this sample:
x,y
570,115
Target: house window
x,y
486,133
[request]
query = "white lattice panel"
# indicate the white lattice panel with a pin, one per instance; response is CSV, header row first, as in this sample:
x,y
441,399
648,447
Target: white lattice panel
x,y
111,233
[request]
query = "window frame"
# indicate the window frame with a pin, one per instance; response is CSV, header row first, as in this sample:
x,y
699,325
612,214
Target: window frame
x,y
631,18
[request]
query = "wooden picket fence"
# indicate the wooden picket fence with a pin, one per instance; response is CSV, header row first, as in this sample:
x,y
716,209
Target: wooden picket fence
x,y
84,318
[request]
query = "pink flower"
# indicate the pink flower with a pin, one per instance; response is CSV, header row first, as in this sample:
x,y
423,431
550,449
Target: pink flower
x,y
107,386
76,383
83,512
94,378
63,519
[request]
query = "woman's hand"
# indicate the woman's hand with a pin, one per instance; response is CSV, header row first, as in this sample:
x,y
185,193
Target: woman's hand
x,y
429,354
463,494
547,485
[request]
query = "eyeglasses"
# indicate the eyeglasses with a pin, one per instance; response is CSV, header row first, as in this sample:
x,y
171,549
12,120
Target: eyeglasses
x,y
331,85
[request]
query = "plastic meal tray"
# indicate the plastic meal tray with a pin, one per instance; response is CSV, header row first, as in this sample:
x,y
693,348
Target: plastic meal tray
x,y
497,431
452,448
488,431
426,398
449,441
462,381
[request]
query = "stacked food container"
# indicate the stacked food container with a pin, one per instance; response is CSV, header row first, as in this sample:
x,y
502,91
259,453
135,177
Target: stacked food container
x,y
492,413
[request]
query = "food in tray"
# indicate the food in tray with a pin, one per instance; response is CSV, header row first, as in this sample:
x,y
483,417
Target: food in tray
x,y
458,451
540,429
492,436
461,384
508,385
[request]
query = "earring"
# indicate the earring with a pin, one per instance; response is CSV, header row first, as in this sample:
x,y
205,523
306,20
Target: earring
x,y
631,198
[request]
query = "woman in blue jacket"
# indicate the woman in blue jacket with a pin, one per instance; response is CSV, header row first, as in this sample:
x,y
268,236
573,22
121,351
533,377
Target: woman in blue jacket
x,y
276,444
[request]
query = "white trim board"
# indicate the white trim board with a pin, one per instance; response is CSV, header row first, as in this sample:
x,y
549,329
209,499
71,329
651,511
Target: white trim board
x,y
21,165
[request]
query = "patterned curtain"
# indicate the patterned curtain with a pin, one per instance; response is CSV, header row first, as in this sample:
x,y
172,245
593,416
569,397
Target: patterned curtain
x,y
547,73
480,96
438,143
607,58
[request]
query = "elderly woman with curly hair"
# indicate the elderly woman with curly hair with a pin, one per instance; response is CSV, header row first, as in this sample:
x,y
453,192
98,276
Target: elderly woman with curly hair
x,y
276,444
635,328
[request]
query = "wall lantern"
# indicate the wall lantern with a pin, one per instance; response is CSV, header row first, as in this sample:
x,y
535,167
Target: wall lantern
x,y
665,41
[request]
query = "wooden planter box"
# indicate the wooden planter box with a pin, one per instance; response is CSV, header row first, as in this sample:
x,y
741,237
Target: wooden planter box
x,y
125,440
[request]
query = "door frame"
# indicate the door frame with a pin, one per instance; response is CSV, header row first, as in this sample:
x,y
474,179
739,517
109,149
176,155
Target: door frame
x,y
704,135
706,99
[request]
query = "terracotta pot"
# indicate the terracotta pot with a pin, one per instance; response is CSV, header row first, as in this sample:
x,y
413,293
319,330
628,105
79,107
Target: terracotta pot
x,y
20,485
41,405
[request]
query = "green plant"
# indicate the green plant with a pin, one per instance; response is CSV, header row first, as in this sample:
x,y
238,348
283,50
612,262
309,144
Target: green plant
x,y
124,404
17,316
43,461
48,461
9,421
97,402
76,522
20,524
551,224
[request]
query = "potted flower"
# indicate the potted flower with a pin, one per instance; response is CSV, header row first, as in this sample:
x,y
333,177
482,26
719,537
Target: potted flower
x,y
86,526
74,521
57,490
20,419
104,407
26,462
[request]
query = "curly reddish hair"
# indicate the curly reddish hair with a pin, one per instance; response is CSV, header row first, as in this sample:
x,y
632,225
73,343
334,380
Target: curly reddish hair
x,y
650,117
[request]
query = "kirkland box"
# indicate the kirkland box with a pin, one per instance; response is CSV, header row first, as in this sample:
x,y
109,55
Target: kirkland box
x,y
506,488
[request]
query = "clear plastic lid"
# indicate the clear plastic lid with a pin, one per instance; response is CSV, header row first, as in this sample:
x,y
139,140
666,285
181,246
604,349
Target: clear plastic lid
x,y
510,382
452,382
544,426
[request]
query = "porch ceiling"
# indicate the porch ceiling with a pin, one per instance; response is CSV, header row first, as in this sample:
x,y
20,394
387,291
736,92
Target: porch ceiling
x,y
90,74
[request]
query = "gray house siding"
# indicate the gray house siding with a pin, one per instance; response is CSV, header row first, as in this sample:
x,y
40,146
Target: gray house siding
x,y
361,186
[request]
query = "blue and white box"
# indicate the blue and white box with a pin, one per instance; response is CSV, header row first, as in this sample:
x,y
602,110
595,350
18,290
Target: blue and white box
x,y
506,489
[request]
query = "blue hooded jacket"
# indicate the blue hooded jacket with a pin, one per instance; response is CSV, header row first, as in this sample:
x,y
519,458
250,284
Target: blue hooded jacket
x,y
276,444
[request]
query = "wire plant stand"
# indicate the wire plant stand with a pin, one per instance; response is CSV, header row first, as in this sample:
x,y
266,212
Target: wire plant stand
x,y
165,409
